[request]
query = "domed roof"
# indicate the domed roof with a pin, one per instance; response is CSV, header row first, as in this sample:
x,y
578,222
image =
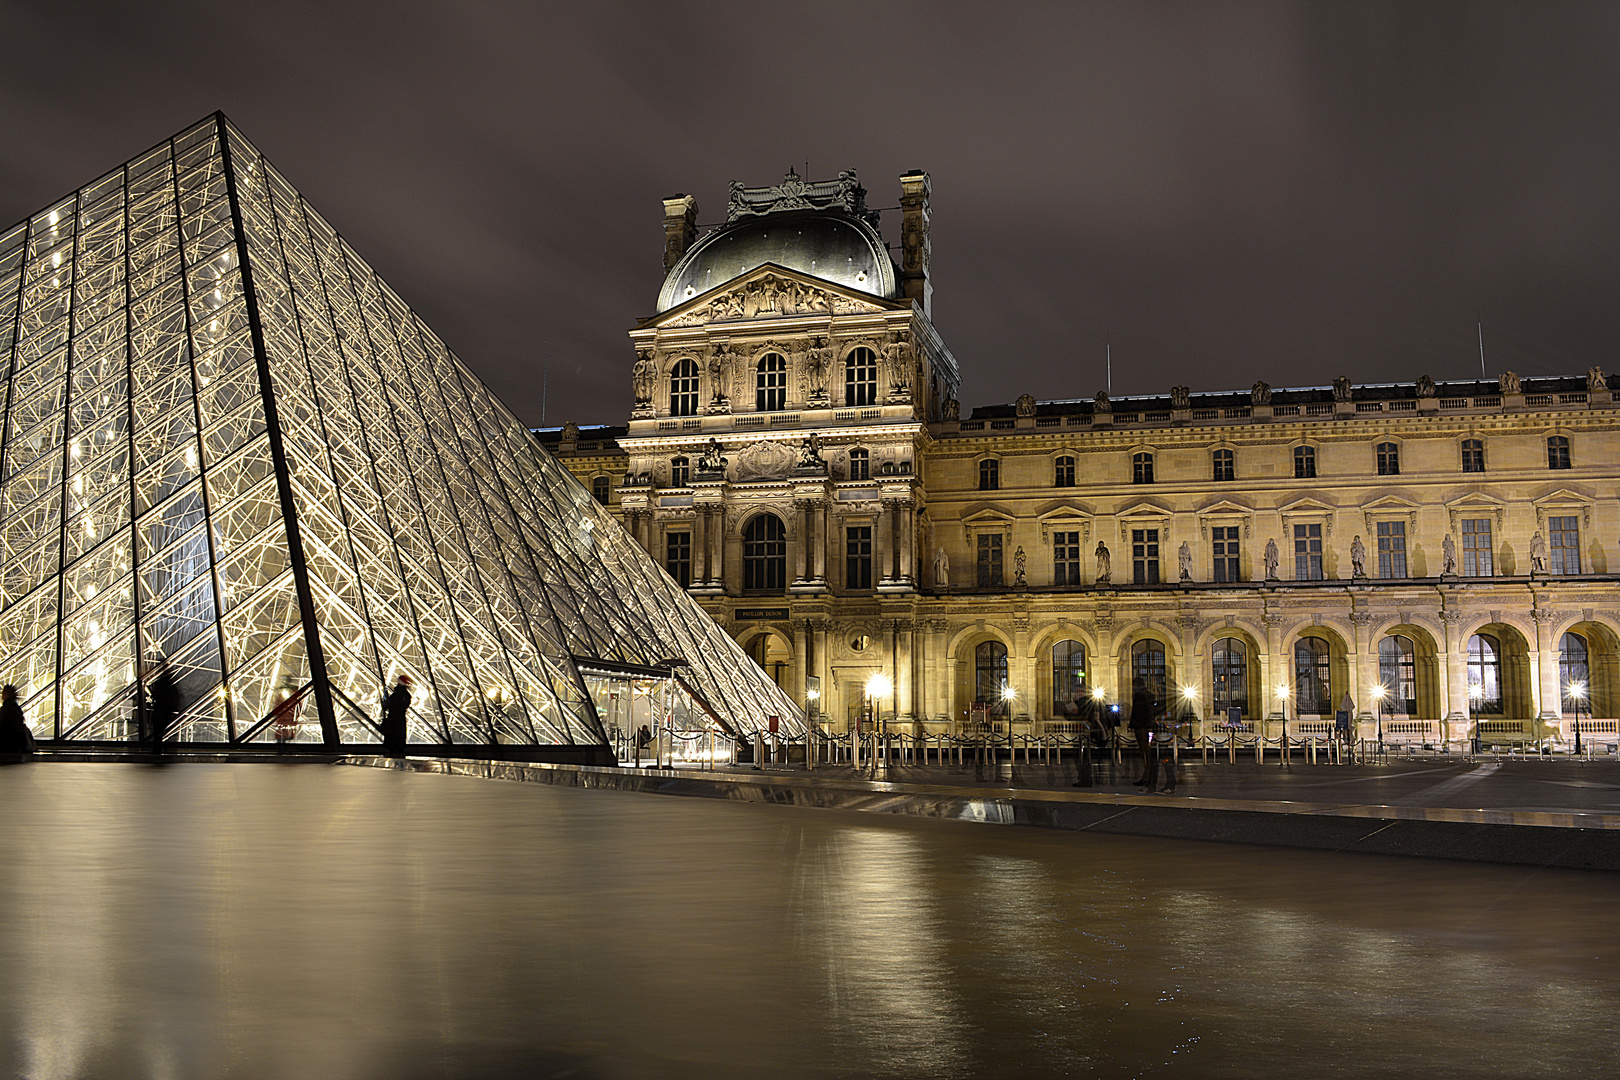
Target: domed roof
x,y
836,248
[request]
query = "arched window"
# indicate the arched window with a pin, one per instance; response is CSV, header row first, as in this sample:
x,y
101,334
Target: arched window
x,y
1389,459
990,675
601,487
770,383
860,377
1063,472
1485,672
1574,674
1068,678
1230,664
1147,664
1304,462
683,388
1142,468
1557,452
680,471
1397,673
860,464
1313,695
1223,465
1473,455
765,554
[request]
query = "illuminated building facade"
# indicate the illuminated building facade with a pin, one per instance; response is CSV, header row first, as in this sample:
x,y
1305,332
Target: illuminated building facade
x,y
231,451
795,456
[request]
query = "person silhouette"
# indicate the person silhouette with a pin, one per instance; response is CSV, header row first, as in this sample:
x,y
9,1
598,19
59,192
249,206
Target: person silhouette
x,y
164,695
395,706
15,738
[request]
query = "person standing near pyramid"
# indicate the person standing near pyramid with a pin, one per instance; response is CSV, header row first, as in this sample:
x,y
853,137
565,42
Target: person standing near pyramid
x,y
164,694
395,706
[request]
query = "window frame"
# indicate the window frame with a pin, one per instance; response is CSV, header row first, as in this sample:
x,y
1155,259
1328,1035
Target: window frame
x,y
990,560
1312,553
1145,556
860,377
764,558
770,383
680,471
601,489
684,396
1391,555
1473,455
1225,676
1314,671
1063,471
1558,456
1223,466
1304,462
1226,553
1474,563
989,474
860,463
1388,458
678,556
1564,558
858,576
1068,555
1142,467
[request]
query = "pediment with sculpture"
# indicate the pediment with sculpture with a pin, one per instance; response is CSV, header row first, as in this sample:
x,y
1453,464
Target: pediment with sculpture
x,y
768,292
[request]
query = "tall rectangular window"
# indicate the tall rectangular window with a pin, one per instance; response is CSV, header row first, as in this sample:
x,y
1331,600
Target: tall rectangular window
x,y
1564,546
1066,558
678,557
1307,553
1392,549
860,377
860,464
1225,553
1063,472
1145,556
1473,455
680,471
1142,469
1304,462
989,559
1557,452
1389,459
1222,466
1476,545
989,474
858,557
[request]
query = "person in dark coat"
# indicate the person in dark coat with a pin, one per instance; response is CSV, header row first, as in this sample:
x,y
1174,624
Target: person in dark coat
x,y
395,706
15,738
164,705
1142,721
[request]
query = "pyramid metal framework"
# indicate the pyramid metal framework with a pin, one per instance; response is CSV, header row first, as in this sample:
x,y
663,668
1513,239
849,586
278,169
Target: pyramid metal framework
x,y
230,448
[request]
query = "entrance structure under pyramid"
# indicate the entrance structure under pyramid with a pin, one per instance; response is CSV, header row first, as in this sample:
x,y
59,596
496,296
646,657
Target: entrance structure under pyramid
x,y
232,451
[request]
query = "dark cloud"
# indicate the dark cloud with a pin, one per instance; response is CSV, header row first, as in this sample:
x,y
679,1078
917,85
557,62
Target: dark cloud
x,y
1223,192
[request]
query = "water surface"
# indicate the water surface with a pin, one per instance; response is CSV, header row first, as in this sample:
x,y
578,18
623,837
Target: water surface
x,y
319,921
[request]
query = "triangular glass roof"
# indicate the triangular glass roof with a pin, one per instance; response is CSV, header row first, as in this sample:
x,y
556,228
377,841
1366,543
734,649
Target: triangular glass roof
x,y
230,447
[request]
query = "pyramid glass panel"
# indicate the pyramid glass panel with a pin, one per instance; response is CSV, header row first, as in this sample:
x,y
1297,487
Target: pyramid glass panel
x,y
229,450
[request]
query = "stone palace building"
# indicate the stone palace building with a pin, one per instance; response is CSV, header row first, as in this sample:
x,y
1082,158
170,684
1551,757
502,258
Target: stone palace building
x,y
1439,552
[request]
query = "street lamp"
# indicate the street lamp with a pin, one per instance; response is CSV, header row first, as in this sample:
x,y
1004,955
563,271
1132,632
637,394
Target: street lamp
x,y
1378,693
1577,691
1008,696
877,686
1475,693
1282,694
812,703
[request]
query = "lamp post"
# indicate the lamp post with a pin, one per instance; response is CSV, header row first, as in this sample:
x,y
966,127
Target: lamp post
x,y
1378,693
1282,694
1577,692
812,703
1475,693
1008,696
876,687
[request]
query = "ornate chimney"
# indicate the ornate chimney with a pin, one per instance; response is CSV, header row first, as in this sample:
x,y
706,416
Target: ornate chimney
x,y
680,227
915,245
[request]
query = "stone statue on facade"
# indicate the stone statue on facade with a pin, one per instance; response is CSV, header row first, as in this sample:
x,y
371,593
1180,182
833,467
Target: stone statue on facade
x,y
810,454
942,567
1538,553
1260,393
1180,397
1448,556
1019,559
570,432
644,376
1341,388
1271,559
817,359
1025,405
711,460
1595,382
1358,558
1105,563
950,409
1509,383
1425,386
1102,405
1184,561
719,367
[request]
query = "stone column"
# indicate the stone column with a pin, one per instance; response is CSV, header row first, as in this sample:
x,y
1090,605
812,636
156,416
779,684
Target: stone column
x,y
1454,666
931,701
717,546
1273,669
883,545
1363,665
819,574
908,536
1191,673
1551,706
906,670
1105,665
819,663
801,550
700,546
801,660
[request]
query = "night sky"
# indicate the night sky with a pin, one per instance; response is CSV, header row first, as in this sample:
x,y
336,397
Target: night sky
x,y
1223,192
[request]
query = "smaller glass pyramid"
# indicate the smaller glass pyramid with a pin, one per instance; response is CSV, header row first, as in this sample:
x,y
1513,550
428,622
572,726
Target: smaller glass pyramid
x,y
230,451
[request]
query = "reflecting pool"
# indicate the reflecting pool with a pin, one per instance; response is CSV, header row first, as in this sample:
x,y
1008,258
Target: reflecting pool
x,y
316,921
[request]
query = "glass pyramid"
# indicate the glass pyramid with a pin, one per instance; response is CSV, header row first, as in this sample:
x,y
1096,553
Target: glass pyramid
x,y
230,448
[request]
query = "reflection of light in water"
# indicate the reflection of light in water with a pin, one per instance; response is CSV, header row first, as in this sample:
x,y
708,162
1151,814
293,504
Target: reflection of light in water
x,y
870,911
